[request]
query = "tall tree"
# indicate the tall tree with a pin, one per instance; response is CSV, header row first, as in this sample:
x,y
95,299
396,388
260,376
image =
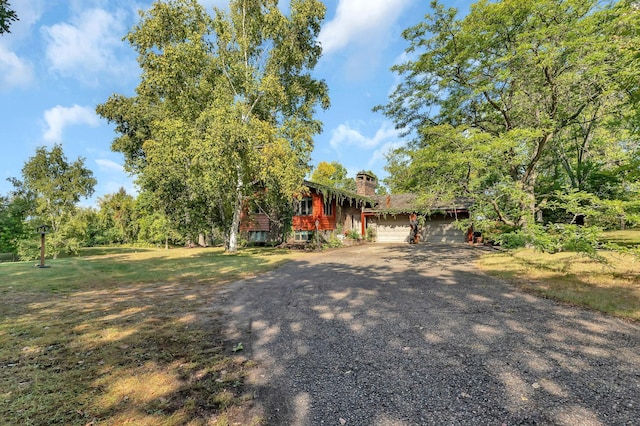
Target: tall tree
x,y
7,15
334,175
225,104
56,186
117,217
13,214
511,94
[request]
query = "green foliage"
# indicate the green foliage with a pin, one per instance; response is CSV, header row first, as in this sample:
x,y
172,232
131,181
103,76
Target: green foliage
x,y
332,242
225,105
580,239
514,239
572,205
56,186
117,218
517,101
370,234
554,238
6,16
333,175
353,234
13,213
561,237
28,247
154,227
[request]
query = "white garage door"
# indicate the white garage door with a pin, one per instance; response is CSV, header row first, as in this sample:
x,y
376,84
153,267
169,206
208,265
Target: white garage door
x,y
397,230
442,231
392,230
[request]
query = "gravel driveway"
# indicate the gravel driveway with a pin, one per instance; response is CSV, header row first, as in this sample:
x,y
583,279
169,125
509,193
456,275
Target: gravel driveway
x,y
407,335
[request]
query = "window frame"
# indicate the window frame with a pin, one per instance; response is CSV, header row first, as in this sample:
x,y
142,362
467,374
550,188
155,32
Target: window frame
x,y
303,235
258,236
305,207
328,209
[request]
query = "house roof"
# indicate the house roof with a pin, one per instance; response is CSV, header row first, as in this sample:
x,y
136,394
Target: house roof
x,y
391,203
410,203
339,194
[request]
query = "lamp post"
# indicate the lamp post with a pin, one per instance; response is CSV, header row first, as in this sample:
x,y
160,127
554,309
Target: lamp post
x,y
42,230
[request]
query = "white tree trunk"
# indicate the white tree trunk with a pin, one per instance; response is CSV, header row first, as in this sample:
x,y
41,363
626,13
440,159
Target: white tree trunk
x,y
235,221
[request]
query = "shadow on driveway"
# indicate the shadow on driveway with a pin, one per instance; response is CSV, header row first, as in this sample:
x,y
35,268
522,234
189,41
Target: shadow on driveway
x,y
404,335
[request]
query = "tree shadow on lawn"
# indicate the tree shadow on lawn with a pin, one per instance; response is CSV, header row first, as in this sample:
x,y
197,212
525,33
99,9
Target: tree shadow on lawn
x,y
195,265
116,350
418,336
577,280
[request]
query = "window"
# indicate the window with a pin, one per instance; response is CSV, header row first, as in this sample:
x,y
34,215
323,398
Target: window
x,y
328,209
303,235
305,207
258,236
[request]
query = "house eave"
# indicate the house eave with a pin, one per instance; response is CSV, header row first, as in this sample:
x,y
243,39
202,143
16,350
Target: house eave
x,y
339,194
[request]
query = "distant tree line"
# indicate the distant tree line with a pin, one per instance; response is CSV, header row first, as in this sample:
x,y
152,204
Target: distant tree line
x,y
223,115
48,193
50,189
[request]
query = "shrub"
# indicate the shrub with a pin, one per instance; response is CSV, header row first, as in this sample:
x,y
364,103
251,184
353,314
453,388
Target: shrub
x,y
353,234
513,239
332,242
371,234
29,248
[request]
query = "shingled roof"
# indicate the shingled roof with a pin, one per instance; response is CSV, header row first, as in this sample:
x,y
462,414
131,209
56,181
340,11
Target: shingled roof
x,y
409,203
340,194
391,203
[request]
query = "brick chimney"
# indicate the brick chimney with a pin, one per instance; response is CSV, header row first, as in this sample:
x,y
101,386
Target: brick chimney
x,y
366,184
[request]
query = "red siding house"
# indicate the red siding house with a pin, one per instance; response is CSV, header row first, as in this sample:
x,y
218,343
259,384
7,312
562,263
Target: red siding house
x,y
328,210
321,209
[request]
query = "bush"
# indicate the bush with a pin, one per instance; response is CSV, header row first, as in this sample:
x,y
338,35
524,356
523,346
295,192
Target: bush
x,y
582,239
513,239
371,234
332,242
553,238
353,234
28,249
559,237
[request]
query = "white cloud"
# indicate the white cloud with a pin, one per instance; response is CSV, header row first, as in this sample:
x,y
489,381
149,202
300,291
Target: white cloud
x,y
14,71
380,154
108,165
86,46
59,117
29,13
363,22
344,134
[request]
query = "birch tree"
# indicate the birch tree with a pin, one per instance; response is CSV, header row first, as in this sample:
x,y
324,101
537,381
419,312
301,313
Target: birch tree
x,y
225,107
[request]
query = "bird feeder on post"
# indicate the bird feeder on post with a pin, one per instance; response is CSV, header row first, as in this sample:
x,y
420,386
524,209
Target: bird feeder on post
x,y
42,230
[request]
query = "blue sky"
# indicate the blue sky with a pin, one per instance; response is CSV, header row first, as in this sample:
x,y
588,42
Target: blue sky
x,y
63,57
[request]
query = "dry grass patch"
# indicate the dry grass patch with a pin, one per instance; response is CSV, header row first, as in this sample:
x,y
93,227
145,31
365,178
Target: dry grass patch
x,y
612,287
626,238
123,338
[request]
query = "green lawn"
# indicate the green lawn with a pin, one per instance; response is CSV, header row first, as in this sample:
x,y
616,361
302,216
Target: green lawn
x,y
122,336
612,287
627,238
